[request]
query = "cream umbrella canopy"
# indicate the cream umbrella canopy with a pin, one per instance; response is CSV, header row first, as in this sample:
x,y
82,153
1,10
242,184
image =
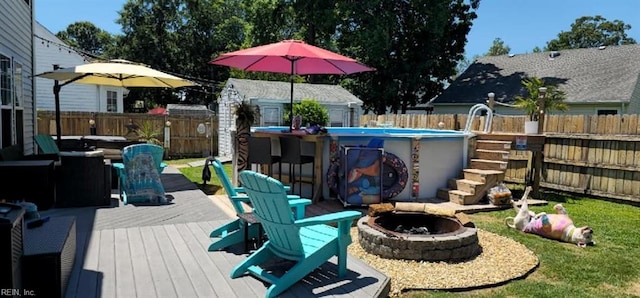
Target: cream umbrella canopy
x,y
119,73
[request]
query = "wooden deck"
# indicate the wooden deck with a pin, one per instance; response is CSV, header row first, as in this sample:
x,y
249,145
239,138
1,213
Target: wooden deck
x,y
161,251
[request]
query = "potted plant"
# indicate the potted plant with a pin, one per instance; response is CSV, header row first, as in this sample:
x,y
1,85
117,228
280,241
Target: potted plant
x,y
245,116
540,99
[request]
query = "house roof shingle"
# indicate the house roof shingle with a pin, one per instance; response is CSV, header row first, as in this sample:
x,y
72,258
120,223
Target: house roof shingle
x,y
594,75
281,91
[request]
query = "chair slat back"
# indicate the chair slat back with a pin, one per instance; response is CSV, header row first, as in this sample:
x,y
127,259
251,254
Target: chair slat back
x,y
142,170
46,144
226,184
271,206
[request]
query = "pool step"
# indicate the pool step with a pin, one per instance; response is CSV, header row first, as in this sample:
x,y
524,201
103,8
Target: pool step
x,y
493,145
487,164
466,185
500,155
458,196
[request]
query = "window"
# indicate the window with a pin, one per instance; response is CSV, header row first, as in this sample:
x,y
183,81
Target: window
x,y
607,112
336,118
112,101
17,81
5,81
271,116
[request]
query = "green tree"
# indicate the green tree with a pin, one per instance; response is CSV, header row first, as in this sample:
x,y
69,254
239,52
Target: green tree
x,y
88,38
588,32
180,37
553,99
415,48
498,48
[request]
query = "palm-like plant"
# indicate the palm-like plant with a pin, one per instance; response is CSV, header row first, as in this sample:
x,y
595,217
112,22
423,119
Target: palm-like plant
x,y
553,99
149,132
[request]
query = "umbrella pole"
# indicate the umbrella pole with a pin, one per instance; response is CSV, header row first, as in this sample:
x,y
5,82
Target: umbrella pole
x,y
56,96
291,114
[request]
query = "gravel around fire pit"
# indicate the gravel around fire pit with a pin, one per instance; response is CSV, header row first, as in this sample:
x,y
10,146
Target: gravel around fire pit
x,y
502,259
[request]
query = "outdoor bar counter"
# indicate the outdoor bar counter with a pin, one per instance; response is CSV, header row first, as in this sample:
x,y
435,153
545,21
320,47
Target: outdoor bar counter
x,y
415,162
317,140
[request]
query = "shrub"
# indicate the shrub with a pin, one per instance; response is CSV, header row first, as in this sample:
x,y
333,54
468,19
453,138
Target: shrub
x,y
311,112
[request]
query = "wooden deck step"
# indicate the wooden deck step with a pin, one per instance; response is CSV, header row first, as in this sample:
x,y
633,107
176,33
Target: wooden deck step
x,y
467,185
443,194
493,145
463,197
500,155
486,164
483,176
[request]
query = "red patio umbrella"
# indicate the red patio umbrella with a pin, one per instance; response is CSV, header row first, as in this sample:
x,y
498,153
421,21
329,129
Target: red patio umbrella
x,y
158,111
294,57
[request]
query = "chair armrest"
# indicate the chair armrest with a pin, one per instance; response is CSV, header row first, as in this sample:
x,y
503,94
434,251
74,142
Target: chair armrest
x,y
240,189
299,205
243,199
162,166
342,216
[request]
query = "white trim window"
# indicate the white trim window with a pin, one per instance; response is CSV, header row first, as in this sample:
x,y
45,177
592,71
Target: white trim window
x,y
270,116
112,101
337,118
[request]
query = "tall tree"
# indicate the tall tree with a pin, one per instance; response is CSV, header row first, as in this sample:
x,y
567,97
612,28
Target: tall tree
x,y
414,45
87,37
588,32
180,37
498,48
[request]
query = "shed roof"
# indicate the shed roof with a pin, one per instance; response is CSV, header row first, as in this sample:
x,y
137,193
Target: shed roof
x,y
278,91
593,75
188,109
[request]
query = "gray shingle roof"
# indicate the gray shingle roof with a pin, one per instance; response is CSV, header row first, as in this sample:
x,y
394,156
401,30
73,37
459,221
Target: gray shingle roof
x,y
586,75
281,91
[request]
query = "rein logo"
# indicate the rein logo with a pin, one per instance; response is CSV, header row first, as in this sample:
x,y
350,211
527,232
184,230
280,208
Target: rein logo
x,y
10,292
16,292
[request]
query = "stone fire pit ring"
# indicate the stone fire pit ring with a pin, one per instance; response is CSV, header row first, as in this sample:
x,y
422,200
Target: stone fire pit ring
x,y
457,246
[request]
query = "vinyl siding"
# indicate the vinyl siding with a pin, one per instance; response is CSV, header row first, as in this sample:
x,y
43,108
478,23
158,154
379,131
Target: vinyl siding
x,y
50,50
16,19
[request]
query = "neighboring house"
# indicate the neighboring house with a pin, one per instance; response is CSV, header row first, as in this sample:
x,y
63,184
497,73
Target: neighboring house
x,y
50,50
270,99
17,110
603,80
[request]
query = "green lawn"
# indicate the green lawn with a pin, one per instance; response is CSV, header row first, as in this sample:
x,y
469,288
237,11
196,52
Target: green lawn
x,y
611,268
212,187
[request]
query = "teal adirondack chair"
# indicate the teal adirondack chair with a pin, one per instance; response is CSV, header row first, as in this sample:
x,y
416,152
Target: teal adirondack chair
x,y
46,144
309,242
139,174
234,232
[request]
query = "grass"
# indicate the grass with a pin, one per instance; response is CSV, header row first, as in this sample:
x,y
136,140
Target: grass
x,y
611,268
194,174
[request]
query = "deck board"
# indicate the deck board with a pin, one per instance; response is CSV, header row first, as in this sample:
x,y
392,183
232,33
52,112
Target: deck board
x,y
162,283
161,251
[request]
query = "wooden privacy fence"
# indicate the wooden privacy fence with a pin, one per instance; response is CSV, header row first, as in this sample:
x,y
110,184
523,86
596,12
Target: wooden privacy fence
x,y
590,154
185,140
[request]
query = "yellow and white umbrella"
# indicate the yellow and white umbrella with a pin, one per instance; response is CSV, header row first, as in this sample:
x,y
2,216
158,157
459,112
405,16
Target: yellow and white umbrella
x,y
119,73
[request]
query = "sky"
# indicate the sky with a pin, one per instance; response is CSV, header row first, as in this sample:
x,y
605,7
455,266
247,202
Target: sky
x,y
521,24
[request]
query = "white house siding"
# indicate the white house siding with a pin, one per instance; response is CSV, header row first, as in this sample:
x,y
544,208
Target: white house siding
x,y
16,21
50,50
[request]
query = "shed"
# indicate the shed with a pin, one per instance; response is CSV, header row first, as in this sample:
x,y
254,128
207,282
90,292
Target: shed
x,y
270,99
188,110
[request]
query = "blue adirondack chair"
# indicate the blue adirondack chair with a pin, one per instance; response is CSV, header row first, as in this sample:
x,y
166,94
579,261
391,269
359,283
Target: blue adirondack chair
x,y
239,230
139,174
309,242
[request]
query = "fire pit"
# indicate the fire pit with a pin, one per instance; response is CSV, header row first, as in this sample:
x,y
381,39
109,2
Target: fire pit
x,y
417,236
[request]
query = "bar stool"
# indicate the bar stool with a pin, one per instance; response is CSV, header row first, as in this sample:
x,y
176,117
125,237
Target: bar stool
x,y
260,153
291,153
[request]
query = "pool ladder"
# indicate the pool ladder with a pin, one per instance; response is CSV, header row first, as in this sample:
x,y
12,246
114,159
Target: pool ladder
x,y
476,108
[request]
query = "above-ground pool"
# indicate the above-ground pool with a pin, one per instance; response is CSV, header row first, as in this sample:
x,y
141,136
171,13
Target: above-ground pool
x,y
416,161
